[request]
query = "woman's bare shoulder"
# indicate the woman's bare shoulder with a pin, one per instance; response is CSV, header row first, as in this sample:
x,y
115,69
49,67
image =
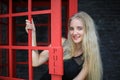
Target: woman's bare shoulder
x,y
63,40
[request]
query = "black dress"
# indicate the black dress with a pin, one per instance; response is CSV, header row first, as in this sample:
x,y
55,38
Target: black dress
x,y
72,67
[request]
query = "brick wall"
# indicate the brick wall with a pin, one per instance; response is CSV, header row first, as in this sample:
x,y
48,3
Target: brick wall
x,y
106,14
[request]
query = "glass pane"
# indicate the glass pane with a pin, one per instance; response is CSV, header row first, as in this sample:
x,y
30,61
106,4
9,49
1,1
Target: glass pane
x,y
40,5
21,55
4,62
4,36
22,71
4,6
20,36
20,6
42,24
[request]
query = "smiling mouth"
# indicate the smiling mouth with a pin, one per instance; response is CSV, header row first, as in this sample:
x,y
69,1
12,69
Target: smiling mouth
x,y
76,37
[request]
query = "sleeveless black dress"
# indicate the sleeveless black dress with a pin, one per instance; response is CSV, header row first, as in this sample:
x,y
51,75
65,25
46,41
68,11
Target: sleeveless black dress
x,y
72,67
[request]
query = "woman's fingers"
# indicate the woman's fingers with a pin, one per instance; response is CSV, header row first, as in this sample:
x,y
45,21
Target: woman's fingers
x,y
29,25
26,28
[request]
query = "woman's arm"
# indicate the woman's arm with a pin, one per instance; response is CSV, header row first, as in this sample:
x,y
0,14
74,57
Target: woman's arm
x,y
37,59
83,73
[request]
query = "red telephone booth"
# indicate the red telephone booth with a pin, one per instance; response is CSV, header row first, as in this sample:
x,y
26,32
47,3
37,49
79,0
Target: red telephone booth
x,y
13,14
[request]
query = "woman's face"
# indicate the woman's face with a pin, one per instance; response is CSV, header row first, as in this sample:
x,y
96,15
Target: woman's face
x,y
76,30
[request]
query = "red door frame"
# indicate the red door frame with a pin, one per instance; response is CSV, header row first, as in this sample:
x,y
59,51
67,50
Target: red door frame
x,y
56,52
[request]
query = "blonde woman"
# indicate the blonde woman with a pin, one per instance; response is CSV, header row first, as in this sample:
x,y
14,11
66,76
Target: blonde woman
x,y
82,59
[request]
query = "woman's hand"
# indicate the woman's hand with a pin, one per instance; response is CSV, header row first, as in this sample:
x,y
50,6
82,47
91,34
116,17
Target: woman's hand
x,y
30,26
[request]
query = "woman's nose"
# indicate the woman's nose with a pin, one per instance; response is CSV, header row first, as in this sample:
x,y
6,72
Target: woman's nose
x,y
75,32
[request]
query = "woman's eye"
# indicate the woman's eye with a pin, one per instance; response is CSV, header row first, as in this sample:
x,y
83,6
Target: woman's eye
x,y
71,28
79,28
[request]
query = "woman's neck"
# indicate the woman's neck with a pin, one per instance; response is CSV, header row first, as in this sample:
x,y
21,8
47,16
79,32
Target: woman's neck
x,y
78,46
78,50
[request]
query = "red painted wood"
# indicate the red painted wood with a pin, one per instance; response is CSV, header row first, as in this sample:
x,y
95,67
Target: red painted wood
x,y
55,33
73,7
56,54
10,55
30,42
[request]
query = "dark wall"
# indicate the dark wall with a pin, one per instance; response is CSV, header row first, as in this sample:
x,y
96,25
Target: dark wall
x,y
106,14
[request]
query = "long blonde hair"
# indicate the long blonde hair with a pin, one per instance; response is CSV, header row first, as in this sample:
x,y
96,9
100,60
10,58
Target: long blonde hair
x,y
90,46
